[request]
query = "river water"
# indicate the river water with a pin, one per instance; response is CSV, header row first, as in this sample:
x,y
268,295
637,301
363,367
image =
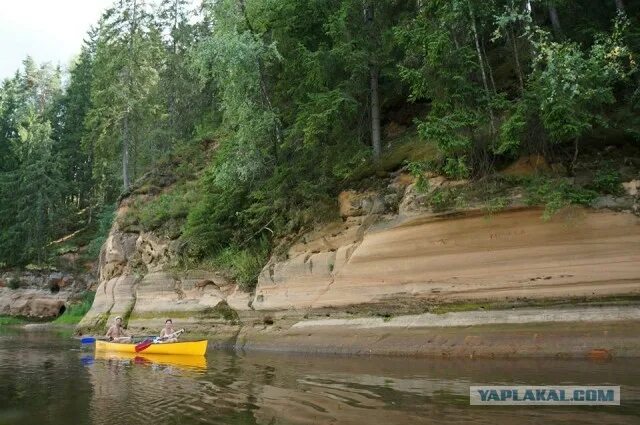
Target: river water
x,y
47,378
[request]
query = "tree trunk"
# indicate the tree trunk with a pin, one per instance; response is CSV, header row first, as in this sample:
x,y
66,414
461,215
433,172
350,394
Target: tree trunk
x,y
555,21
516,58
620,6
375,113
125,152
481,62
493,82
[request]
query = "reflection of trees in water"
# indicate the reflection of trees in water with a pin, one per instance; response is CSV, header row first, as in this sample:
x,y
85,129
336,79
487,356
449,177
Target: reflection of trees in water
x,y
35,381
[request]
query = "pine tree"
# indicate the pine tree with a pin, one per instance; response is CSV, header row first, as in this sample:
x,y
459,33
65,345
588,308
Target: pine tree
x,y
127,54
69,131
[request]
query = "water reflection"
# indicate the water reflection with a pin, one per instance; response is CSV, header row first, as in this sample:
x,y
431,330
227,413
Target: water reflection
x,y
196,363
48,380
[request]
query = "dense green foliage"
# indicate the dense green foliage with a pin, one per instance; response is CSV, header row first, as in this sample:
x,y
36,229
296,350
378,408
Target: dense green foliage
x,y
284,100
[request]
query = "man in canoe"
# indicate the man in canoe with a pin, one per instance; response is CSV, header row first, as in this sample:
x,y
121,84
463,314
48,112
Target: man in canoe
x,y
116,332
168,334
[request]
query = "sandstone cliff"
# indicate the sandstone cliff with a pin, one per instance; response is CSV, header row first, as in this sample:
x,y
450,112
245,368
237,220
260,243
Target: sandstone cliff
x,y
390,255
427,259
40,294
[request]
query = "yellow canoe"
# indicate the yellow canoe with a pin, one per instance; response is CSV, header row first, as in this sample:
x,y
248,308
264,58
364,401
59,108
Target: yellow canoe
x,y
179,360
190,348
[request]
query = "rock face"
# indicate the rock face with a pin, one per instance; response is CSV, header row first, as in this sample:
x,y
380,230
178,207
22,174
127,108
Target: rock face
x,y
137,283
354,203
527,166
632,187
32,303
389,252
39,294
510,255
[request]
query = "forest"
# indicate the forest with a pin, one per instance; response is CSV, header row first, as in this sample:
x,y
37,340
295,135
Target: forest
x,y
258,112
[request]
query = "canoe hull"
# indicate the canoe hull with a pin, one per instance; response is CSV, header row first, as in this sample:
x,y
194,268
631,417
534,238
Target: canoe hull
x,y
189,348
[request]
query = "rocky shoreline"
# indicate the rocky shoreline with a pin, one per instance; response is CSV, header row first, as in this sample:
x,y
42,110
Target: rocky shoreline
x,y
40,294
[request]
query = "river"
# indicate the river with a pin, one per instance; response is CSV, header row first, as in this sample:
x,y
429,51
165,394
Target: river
x,y
48,378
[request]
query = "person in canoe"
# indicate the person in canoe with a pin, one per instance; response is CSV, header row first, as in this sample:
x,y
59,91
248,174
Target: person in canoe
x,y
116,332
168,334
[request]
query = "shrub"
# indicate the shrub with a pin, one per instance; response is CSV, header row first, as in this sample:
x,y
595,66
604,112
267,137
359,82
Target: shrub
x,y
244,264
105,219
417,170
174,204
446,199
555,194
607,180
496,204
15,283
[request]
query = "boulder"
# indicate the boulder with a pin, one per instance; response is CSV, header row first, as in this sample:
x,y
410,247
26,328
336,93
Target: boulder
x,y
613,202
353,204
66,282
54,281
412,201
402,180
153,251
239,300
632,187
30,303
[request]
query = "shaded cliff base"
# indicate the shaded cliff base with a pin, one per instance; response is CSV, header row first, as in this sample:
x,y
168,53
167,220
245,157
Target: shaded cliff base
x,y
602,332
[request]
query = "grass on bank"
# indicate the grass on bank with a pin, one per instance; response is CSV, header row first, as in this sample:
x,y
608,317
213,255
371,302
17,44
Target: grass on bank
x,y
11,320
76,311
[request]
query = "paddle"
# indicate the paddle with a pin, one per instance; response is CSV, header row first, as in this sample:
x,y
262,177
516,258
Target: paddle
x,y
143,345
92,340
148,342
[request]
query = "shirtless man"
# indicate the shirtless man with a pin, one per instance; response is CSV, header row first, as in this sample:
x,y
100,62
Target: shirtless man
x,y
116,332
168,334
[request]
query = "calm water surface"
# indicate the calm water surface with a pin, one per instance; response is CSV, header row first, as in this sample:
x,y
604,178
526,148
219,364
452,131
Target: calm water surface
x,y
46,378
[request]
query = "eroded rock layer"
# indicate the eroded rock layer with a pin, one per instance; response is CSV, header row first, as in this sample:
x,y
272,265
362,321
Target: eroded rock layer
x,y
514,254
40,294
